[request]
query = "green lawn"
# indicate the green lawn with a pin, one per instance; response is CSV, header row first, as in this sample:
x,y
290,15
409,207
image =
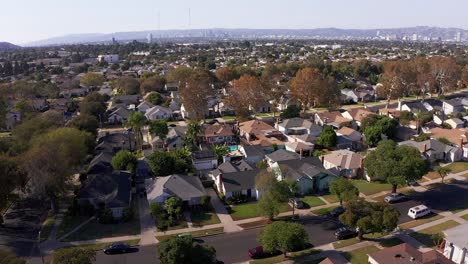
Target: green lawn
x,y
201,218
331,198
458,166
420,221
390,242
69,223
228,117
95,230
101,246
297,257
369,188
323,211
250,210
312,201
354,240
424,236
465,217
359,256
47,227
182,223
199,233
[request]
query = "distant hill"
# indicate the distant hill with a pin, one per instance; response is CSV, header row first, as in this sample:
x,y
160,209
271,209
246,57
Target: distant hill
x,y
7,46
222,33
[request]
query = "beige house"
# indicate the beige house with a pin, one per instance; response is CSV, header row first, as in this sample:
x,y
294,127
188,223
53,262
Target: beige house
x,y
344,163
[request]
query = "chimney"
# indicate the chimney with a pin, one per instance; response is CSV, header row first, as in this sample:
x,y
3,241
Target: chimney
x,y
322,158
460,144
424,148
220,185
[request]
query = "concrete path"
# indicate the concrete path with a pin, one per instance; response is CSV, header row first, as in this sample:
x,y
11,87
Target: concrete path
x,y
147,227
222,213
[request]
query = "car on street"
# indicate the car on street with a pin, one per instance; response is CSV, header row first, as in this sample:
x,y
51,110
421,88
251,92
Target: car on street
x,y
345,233
296,203
258,252
337,211
117,248
418,211
394,197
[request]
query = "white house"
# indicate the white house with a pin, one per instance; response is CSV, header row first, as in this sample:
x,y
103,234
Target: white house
x,y
114,58
119,116
144,106
158,112
456,244
188,188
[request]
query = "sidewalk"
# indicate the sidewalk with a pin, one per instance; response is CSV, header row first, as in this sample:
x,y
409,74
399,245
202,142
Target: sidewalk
x,y
147,228
222,213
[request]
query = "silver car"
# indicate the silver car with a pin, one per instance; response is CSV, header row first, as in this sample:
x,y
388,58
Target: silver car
x,y
394,197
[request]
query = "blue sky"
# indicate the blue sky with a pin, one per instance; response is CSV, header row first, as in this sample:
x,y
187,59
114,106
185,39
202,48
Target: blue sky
x,y
27,20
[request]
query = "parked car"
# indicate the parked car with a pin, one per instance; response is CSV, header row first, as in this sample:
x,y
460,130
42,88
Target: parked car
x,y
337,211
296,203
418,211
117,248
345,233
394,197
258,252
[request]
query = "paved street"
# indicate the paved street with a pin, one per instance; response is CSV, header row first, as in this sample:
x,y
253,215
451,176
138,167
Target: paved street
x,y
141,255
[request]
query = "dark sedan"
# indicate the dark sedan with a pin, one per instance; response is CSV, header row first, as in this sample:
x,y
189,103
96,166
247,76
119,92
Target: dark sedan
x,y
117,248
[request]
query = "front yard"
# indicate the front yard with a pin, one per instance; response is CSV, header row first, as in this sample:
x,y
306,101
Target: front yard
x,y
250,210
323,211
458,166
420,221
425,236
359,256
202,218
312,201
369,188
69,223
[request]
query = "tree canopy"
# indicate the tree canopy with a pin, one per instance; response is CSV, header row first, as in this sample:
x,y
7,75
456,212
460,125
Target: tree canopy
x,y
124,160
92,79
183,250
344,190
395,164
284,236
327,138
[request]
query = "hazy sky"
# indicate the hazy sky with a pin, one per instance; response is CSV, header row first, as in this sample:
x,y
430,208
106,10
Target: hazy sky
x,y
27,20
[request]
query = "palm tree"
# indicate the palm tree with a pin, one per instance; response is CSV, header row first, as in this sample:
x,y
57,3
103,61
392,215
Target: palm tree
x,y
193,133
136,121
443,171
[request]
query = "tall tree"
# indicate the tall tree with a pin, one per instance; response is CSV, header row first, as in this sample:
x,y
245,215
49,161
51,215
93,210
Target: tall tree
x,y
86,123
327,138
192,137
284,236
52,160
11,177
92,79
128,85
226,74
369,216
124,160
136,121
395,164
159,128
344,190
179,75
445,72
153,84
247,95
195,93
183,250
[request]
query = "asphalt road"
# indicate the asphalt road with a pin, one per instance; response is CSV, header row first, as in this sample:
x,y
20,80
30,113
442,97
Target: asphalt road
x,y
140,255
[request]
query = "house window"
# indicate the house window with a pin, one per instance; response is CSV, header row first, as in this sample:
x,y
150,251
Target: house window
x,y
236,194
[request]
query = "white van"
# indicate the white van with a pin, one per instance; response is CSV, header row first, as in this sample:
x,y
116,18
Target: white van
x,y
418,211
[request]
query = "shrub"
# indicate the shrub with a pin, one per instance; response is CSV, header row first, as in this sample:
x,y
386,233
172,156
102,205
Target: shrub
x,y
206,202
106,217
127,214
156,209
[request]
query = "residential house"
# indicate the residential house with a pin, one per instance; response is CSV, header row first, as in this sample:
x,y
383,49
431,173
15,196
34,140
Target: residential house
x,y
456,244
434,150
308,172
455,122
218,133
452,106
348,138
348,96
357,115
204,160
406,254
252,153
344,163
114,142
188,188
458,137
171,87
280,155
144,106
392,113
303,148
158,112
256,132
118,116
235,178
174,139
126,100
298,126
113,190
333,118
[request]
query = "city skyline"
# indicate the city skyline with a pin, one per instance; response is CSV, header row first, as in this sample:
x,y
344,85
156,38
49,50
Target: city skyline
x,y
51,18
